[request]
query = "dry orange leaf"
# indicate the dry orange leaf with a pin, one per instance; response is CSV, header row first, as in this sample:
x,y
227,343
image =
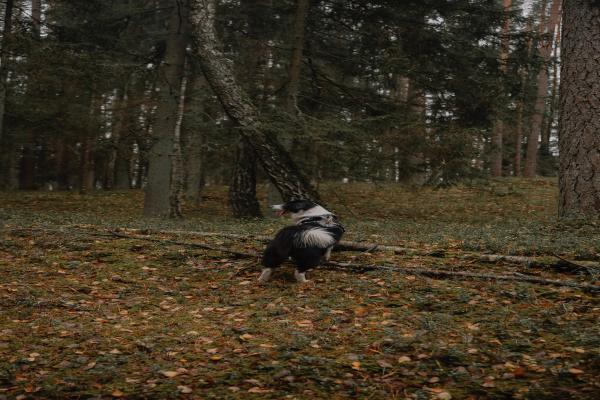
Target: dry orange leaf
x,y
575,371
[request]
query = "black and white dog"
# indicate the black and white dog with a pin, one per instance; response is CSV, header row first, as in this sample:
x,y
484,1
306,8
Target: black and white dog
x,y
314,234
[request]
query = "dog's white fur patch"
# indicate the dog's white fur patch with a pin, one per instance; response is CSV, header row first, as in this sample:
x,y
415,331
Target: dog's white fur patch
x,y
300,276
311,212
265,275
315,237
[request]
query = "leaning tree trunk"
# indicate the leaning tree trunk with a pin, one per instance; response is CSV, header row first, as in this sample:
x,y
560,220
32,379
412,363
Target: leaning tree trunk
x,y
157,201
579,131
542,93
275,160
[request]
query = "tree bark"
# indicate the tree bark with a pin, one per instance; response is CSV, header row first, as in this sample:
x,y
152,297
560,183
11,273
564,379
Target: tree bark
x,y
242,189
275,160
177,170
579,131
194,141
498,126
553,101
542,92
157,200
36,17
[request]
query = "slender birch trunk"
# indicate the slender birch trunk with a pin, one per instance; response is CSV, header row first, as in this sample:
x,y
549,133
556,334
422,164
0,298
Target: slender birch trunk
x,y
157,201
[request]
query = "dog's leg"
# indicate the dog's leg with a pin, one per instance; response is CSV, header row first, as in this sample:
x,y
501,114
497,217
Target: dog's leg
x,y
328,253
300,276
265,275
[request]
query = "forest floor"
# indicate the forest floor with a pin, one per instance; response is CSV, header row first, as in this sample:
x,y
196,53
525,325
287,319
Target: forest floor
x,y
86,314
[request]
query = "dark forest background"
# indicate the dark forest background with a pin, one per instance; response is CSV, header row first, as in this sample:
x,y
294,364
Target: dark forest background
x,y
417,92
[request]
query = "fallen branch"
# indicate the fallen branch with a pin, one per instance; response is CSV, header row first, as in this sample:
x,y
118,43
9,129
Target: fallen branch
x,y
187,244
436,273
531,262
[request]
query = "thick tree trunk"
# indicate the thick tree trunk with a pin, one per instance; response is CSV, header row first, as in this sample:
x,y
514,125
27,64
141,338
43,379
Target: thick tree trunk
x,y
542,92
157,197
194,140
579,131
291,99
242,190
275,160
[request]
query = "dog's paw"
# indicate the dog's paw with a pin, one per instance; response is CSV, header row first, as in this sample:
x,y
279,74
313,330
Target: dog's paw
x,y
265,275
300,276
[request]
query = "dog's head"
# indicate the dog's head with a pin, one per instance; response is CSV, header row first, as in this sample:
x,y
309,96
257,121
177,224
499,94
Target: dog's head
x,y
297,209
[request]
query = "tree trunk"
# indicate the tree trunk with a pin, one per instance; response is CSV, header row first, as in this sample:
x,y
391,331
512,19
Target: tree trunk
x,y
177,171
547,131
579,131
242,192
30,141
498,126
542,92
36,17
242,197
275,160
194,141
157,197
117,123
291,100
7,144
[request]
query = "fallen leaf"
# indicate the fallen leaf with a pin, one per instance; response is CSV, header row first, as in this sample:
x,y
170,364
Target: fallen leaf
x,y
404,359
257,389
170,374
184,389
89,365
444,396
246,336
117,393
384,364
575,371
356,365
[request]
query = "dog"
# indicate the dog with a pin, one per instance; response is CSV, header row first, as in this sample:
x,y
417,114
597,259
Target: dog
x,y
311,239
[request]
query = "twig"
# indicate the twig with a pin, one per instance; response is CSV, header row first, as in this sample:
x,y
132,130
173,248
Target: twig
x,y
589,270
